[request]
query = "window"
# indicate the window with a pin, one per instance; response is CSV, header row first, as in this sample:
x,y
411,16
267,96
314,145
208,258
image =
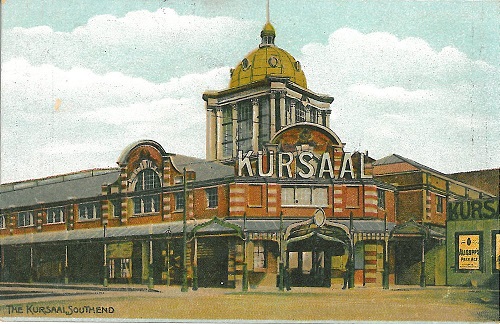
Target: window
x,y
120,268
147,180
117,208
381,198
55,215
179,201
89,211
314,115
439,204
147,204
227,130
300,113
264,122
304,196
2,221
212,197
25,219
259,255
245,126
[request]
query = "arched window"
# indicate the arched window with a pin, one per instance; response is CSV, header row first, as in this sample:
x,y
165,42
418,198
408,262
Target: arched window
x,y
146,180
147,203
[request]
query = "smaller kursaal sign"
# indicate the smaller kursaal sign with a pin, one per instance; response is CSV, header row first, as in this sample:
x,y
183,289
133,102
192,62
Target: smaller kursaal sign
x,y
469,252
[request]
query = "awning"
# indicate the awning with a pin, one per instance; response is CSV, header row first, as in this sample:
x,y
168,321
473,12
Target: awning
x,y
255,229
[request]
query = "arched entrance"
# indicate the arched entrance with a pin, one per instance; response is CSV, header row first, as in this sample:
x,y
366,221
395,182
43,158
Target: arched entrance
x,y
311,246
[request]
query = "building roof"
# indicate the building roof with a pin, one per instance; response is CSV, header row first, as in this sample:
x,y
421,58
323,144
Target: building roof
x,y
205,170
395,158
79,185
267,60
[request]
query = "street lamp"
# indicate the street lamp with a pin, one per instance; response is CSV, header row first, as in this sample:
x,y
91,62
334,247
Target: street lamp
x,y
184,287
168,236
105,264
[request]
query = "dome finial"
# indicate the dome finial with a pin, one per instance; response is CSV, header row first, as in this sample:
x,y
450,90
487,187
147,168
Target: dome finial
x,y
267,12
268,33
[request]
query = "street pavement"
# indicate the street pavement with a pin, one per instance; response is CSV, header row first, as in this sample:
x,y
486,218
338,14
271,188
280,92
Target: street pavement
x,y
366,304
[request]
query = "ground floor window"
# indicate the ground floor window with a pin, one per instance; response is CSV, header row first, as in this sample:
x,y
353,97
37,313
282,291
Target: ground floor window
x,y
2,221
259,256
120,268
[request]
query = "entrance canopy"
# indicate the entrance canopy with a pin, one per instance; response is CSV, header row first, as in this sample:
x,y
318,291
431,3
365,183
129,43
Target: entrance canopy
x,y
412,229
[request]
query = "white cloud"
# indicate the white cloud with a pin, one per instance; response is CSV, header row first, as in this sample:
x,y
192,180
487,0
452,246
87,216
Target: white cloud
x,y
105,111
393,95
397,94
154,45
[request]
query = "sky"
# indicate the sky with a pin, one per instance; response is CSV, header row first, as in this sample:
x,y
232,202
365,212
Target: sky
x,y
81,80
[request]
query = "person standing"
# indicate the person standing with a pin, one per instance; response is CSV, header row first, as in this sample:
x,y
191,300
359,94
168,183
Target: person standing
x,y
347,271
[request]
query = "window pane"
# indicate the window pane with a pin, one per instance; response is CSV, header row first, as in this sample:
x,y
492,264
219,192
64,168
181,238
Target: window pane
x,y
293,260
287,196
147,179
179,201
306,262
303,196
212,198
320,197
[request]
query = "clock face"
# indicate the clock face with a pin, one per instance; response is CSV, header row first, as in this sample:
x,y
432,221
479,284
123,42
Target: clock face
x,y
319,217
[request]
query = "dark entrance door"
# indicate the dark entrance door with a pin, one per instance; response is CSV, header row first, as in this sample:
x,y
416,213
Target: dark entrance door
x,y
212,262
309,262
407,265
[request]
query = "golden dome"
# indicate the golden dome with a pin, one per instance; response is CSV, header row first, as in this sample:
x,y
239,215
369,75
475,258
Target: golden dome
x,y
267,60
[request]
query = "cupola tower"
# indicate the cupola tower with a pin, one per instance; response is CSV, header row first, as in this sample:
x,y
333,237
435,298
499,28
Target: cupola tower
x,y
267,92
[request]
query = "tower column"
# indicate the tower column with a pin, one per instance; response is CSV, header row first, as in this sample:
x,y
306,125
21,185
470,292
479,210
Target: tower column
x,y
327,118
255,124
272,105
282,109
220,135
308,113
211,133
234,118
292,112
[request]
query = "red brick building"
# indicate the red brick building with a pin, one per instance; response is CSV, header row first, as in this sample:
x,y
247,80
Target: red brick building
x,y
277,202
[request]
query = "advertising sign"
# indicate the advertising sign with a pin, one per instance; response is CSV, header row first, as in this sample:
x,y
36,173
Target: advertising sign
x,y
120,250
497,250
469,250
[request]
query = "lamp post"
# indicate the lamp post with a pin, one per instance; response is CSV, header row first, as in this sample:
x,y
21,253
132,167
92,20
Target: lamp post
x,y
385,278
184,287
168,235
105,263
150,266
244,284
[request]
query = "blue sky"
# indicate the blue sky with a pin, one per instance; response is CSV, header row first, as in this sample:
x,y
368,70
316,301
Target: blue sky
x,y
83,79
